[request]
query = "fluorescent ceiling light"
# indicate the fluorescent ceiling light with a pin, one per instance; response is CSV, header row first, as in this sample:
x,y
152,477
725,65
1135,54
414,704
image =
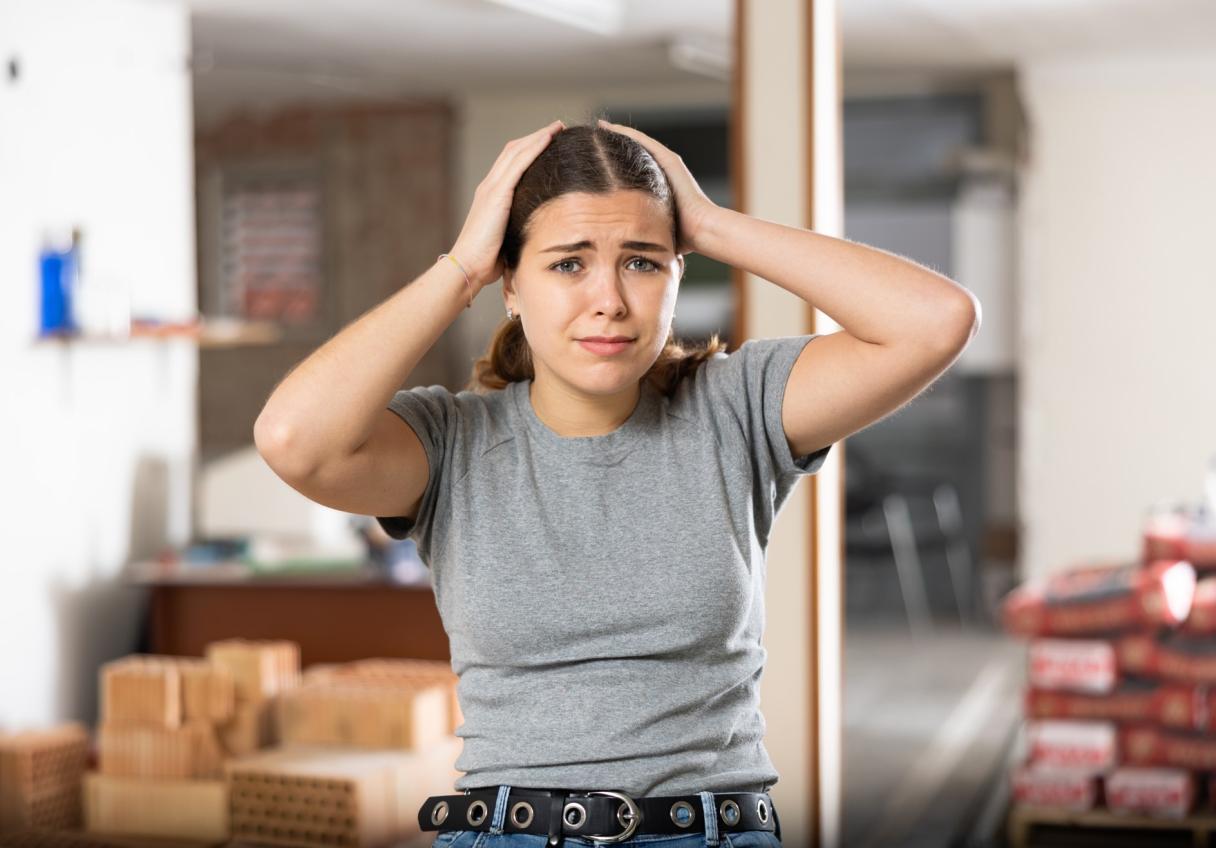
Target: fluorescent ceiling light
x,y
600,16
707,58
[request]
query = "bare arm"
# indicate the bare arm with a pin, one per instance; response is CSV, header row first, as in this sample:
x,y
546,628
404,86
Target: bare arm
x,y
326,429
903,324
327,406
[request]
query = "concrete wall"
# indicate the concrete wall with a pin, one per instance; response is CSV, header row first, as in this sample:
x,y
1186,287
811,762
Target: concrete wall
x,y
1118,295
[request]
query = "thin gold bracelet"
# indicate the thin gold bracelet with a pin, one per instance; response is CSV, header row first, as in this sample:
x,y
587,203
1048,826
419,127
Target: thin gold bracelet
x,y
468,285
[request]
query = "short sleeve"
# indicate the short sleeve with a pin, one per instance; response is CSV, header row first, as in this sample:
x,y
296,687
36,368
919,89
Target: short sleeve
x,y
431,412
748,387
740,395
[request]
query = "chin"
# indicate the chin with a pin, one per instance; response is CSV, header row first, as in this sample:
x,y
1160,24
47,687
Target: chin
x,y
605,379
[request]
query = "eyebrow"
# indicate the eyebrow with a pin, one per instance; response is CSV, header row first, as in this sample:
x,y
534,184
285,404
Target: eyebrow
x,y
584,245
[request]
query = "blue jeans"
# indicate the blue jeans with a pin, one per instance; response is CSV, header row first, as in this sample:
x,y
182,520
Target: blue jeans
x,y
712,838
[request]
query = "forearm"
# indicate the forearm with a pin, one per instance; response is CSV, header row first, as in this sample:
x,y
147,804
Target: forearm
x,y
327,405
874,295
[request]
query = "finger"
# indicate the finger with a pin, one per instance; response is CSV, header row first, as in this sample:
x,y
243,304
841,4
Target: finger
x,y
516,143
511,166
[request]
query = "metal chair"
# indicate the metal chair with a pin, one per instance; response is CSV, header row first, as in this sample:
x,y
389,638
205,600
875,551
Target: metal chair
x,y
879,519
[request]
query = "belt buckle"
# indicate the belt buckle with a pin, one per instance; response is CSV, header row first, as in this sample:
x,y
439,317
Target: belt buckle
x,y
635,817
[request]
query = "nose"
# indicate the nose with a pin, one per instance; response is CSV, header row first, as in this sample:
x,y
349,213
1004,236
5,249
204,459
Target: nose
x,y
609,298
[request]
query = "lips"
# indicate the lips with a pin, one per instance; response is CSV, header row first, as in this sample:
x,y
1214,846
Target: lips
x,y
605,348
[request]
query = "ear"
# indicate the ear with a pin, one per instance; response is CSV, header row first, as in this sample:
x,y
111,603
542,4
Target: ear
x,y
680,259
508,290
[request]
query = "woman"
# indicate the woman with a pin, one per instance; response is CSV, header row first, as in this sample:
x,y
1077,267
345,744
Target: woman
x,y
596,508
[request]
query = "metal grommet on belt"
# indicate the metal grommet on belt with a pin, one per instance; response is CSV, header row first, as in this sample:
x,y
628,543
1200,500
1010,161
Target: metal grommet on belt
x,y
580,814
481,816
515,808
683,814
762,810
729,811
439,813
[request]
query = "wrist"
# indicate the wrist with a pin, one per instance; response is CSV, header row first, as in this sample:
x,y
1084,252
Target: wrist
x,y
467,288
712,226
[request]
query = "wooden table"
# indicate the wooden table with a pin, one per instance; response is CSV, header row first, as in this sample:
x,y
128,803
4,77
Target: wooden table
x,y
335,617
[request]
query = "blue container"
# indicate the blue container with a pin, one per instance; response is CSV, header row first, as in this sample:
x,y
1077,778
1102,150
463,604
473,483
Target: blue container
x,y
58,270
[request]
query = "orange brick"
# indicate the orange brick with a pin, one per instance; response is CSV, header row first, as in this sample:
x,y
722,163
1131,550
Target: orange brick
x,y
141,689
189,751
252,727
40,774
365,713
167,808
208,690
402,670
260,668
329,796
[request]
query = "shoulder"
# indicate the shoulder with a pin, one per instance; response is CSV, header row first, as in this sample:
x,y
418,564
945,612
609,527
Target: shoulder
x,y
478,418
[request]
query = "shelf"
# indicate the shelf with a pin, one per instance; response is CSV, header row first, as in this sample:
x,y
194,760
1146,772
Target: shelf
x,y
206,334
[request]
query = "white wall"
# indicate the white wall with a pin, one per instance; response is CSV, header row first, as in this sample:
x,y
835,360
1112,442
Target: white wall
x,y
97,438
1119,294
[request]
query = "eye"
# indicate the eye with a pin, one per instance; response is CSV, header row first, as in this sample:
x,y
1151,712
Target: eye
x,y
649,265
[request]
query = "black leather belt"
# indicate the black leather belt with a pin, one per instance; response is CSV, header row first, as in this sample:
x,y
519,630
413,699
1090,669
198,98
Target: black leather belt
x,y
601,816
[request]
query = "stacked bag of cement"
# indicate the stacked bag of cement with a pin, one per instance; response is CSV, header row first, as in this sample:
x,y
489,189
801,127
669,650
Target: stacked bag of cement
x,y
1117,713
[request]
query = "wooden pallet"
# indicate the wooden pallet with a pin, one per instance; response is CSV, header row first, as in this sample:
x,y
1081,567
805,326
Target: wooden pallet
x,y
1043,827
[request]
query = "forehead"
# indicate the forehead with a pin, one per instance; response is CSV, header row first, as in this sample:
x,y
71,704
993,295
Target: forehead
x,y
584,215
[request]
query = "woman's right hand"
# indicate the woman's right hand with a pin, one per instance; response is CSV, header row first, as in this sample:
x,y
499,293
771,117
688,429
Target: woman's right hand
x,y
480,240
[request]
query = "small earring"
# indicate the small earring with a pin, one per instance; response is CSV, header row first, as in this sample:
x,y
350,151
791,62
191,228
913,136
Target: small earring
x,y
510,314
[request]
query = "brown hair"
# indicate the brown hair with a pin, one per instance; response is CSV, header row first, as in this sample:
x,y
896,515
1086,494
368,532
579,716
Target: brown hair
x,y
586,158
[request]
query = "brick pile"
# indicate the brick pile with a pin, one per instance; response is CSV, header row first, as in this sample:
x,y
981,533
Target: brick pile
x,y
362,745
169,724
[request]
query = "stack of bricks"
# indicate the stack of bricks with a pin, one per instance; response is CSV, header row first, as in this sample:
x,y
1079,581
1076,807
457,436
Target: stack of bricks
x,y
261,670
168,725
1121,704
362,746
40,774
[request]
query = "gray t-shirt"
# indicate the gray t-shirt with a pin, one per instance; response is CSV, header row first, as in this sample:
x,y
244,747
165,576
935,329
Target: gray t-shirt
x,y
604,595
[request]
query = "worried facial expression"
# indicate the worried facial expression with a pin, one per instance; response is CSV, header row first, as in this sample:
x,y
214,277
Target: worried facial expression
x,y
596,265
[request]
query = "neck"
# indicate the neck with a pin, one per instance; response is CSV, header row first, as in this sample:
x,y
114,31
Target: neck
x,y
570,413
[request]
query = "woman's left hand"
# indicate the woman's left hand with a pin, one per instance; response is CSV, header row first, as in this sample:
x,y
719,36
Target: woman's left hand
x,y
695,208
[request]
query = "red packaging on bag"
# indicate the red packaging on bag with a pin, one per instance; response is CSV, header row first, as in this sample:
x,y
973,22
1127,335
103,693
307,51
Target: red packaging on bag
x,y
1176,657
1164,534
1091,746
1130,702
1101,599
1076,665
1170,705
1158,792
1145,745
1045,786
1202,620
1199,544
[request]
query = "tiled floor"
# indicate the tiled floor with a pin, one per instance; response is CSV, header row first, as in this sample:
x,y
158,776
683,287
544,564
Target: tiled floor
x,y
927,726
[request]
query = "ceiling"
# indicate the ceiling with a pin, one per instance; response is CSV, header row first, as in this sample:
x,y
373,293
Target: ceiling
x,y
251,52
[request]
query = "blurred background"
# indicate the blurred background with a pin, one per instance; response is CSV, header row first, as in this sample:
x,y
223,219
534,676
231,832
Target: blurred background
x,y
196,194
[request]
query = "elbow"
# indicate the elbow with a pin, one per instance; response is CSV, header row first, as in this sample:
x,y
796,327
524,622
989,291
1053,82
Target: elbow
x,y
966,315
277,444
